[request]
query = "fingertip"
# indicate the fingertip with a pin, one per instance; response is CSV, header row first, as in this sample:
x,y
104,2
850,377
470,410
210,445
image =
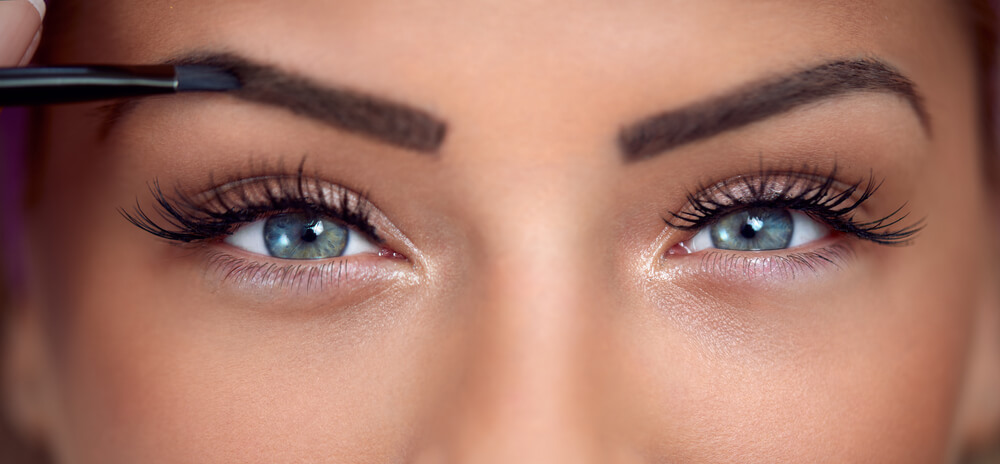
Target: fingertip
x,y
20,23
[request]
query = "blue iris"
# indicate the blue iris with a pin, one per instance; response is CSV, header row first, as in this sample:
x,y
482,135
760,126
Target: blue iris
x,y
303,236
754,229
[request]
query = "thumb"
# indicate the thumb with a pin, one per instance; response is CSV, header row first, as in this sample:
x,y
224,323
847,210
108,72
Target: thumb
x,y
20,30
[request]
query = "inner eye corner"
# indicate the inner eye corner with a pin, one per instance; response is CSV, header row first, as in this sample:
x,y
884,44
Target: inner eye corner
x,y
675,240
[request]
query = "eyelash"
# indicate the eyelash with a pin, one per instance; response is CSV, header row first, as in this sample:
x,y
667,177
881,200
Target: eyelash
x,y
806,191
230,205
223,208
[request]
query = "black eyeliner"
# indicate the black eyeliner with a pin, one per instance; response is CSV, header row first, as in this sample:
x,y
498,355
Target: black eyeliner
x,y
73,84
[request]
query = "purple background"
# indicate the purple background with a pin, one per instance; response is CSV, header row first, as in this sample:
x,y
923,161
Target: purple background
x,y
13,128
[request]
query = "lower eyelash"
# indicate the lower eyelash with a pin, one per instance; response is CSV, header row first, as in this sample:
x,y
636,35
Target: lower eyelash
x,y
241,271
747,267
311,277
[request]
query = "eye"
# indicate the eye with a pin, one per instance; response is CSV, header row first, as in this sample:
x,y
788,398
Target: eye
x,y
300,236
758,229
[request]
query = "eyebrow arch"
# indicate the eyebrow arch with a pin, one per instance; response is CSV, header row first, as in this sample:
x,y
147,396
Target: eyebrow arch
x,y
390,122
763,99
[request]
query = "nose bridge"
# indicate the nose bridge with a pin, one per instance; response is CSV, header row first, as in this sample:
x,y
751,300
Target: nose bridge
x,y
526,396
523,395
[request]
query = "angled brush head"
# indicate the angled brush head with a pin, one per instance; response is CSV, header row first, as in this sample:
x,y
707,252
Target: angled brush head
x,y
70,84
195,78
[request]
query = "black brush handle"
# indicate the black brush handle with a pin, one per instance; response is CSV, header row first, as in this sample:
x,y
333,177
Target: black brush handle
x,y
69,84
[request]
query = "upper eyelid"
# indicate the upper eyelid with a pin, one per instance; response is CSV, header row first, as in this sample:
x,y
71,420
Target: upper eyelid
x,y
755,185
759,190
822,197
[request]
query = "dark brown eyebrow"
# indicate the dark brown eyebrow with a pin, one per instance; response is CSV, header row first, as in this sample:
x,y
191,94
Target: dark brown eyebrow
x,y
352,111
763,99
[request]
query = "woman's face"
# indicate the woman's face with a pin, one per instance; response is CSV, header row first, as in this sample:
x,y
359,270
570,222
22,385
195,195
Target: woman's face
x,y
637,241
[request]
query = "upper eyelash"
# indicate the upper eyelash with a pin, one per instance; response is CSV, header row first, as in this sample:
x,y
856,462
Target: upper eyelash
x,y
186,219
807,191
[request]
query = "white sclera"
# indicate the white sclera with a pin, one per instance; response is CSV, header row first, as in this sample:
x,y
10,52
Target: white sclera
x,y
804,231
251,238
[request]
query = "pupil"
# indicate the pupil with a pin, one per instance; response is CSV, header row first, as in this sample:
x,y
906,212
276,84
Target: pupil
x,y
748,231
309,234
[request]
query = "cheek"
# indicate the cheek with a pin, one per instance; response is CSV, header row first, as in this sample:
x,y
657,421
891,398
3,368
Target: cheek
x,y
864,364
144,380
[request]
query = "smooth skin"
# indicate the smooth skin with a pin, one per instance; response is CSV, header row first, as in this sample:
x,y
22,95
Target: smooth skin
x,y
537,316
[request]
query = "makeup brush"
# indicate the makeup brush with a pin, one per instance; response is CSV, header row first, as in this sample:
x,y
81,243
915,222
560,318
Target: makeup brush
x,y
70,84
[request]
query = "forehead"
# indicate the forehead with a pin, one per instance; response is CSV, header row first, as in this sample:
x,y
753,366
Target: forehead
x,y
540,68
428,41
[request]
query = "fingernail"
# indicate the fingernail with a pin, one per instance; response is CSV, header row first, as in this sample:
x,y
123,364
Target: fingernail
x,y
20,22
39,6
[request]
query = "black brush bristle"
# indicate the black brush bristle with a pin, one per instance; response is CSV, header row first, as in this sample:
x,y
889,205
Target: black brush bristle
x,y
205,78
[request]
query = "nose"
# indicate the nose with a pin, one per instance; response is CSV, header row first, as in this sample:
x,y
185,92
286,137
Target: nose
x,y
529,390
525,396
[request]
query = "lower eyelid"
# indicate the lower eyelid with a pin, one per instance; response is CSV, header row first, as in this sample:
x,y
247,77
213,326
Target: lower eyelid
x,y
266,273
781,265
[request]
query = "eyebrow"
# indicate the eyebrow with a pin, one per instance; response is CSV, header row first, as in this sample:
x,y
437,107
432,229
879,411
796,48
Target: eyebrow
x,y
355,112
764,99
